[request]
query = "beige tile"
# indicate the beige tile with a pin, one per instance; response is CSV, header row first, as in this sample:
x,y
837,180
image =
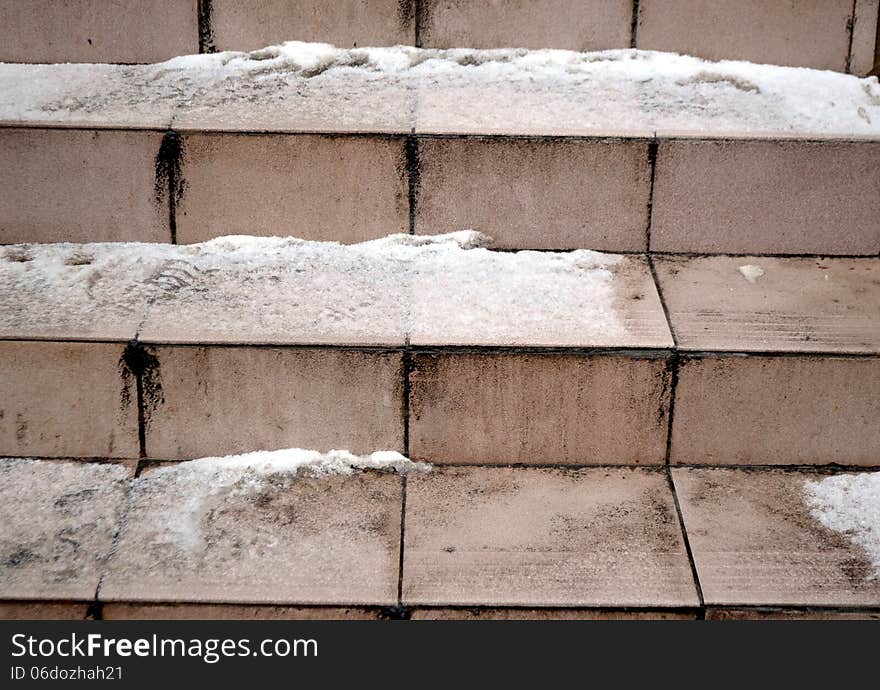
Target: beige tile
x,y
777,411
346,189
544,537
42,611
66,400
65,185
508,299
222,612
564,194
58,521
589,25
784,305
224,400
865,31
505,408
812,34
755,542
771,614
273,538
345,23
97,30
782,197
501,614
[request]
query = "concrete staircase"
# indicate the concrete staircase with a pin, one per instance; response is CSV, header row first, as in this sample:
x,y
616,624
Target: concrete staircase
x,y
684,426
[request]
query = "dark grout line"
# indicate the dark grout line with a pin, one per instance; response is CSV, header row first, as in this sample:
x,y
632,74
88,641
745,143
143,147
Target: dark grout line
x,y
418,16
634,26
400,552
414,182
850,29
204,10
687,543
652,164
95,610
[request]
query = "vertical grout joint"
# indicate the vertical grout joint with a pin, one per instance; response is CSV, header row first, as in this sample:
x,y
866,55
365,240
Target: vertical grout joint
x,y
413,173
206,26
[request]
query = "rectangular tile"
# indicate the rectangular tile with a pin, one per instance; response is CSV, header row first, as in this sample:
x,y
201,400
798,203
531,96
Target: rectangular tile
x,y
775,614
42,611
757,410
758,539
347,189
767,197
562,195
503,408
67,400
97,30
345,23
223,400
545,614
573,299
750,303
814,34
242,536
71,185
58,518
586,25
542,537
232,612
864,34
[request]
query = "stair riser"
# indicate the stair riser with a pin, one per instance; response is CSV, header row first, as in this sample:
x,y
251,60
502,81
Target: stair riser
x,y
703,196
786,410
837,34
81,400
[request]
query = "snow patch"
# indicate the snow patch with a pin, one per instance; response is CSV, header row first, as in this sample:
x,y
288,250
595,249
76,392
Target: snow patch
x,y
850,505
298,84
751,272
206,483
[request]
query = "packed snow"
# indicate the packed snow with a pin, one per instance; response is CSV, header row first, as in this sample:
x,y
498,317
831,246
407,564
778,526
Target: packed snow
x,y
317,86
203,485
850,505
287,290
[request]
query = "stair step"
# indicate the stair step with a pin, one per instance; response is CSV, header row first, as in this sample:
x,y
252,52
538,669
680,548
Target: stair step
x,y
458,353
835,34
477,541
350,145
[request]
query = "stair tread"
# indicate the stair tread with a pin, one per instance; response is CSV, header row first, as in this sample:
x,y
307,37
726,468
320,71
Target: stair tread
x,y
314,87
757,538
784,304
434,290
541,537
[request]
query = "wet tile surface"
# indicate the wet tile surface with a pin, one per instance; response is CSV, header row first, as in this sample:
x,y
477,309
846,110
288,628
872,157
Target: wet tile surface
x,y
764,304
756,541
58,518
544,537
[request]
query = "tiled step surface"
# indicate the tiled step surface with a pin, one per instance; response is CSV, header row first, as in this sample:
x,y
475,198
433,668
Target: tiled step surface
x,y
454,355
618,152
478,542
835,34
